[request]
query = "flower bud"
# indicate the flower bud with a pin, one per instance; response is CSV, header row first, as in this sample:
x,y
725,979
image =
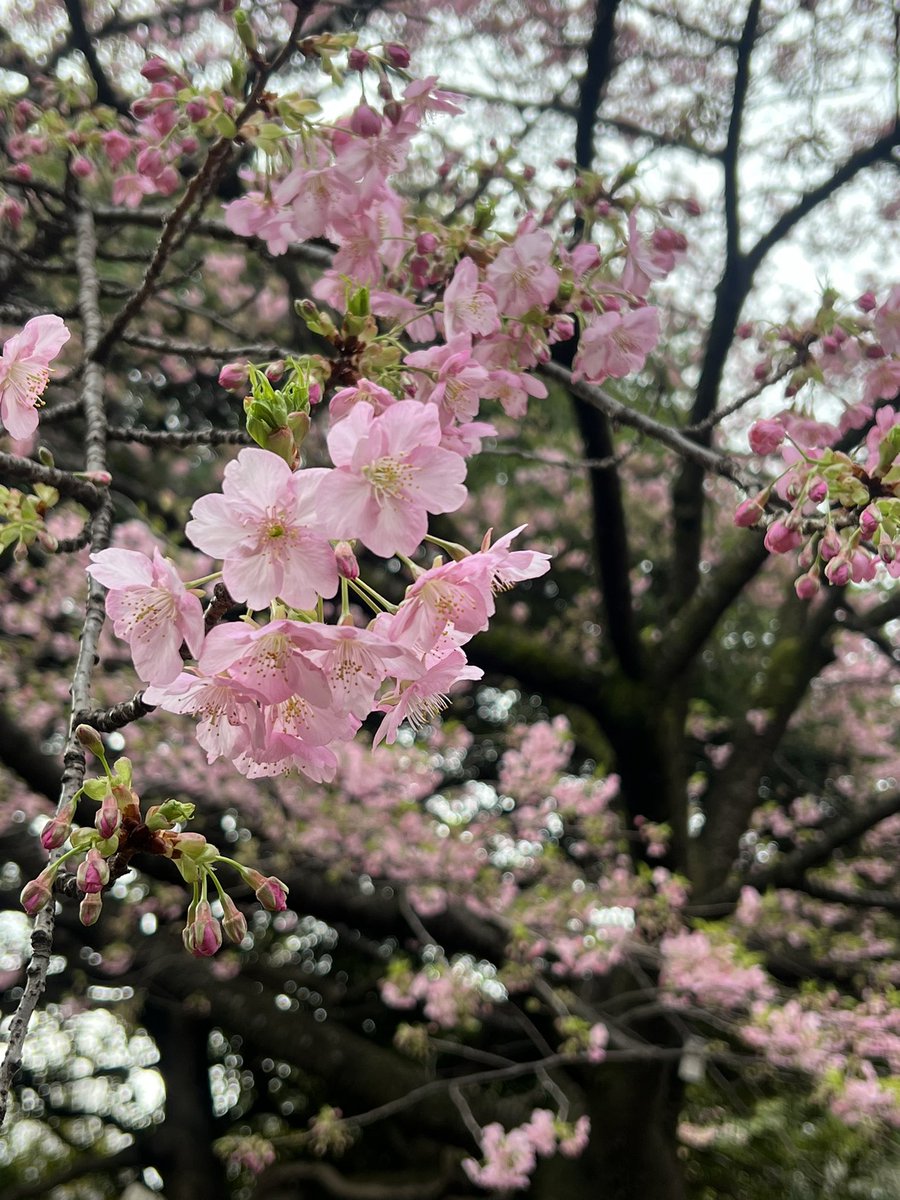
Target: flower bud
x,y
93,874
234,376
234,922
869,520
806,586
37,893
108,817
357,60
272,894
205,934
780,538
867,301
196,847
766,436
365,122
90,739
397,55
56,831
347,565
749,512
156,69
89,908
82,168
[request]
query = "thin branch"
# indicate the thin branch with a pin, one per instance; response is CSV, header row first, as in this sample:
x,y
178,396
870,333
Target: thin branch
x,y
180,437
66,483
710,460
73,759
107,720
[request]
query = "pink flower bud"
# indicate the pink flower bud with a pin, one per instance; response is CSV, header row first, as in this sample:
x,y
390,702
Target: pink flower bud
x,y
275,370
82,168
204,932
11,211
150,162
143,108
108,817
869,520
393,111
818,490
766,436
749,512
234,376
37,893
196,109
156,69
357,60
167,181
426,243
807,586
272,894
761,371
98,478
780,538
87,736
744,330
830,546
348,567
867,301
365,122
93,874
396,54
56,831
830,344
837,571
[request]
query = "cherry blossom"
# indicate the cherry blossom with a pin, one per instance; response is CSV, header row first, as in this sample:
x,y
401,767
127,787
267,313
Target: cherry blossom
x,y
390,472
151,609
264,526
25,371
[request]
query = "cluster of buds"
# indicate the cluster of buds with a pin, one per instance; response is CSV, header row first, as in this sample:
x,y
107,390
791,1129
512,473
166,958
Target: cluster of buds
x,y
278,418
844,515
122,830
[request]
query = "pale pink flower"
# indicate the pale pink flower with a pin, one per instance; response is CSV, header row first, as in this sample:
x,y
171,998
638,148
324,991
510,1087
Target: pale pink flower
x,y
460,382
468,306
616,344
422,699
522,276
264,527
229,718
508,1159
541,1129
390,472
648,262
25,372
363,392
576,1142
509,567
513,389
456,594
151,609
887,322
355,662
270,662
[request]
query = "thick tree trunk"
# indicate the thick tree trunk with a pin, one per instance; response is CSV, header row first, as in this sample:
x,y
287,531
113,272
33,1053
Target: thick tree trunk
x,y
182,1148
633,1152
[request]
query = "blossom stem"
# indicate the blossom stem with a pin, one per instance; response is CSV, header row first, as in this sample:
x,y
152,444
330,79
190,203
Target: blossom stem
x,y
204,579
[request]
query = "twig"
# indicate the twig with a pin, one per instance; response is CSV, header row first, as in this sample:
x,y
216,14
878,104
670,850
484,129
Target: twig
x,y
179,437
67,484
73,759
107,720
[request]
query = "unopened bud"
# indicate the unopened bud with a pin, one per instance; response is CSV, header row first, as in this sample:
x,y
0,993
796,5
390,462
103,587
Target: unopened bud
x,y
272,894
91,740
37,893
56,831
156,69
89,909
234,922
205,936
365,122
347,565
357,60
234,376
245,30
397,55
108,817
93,874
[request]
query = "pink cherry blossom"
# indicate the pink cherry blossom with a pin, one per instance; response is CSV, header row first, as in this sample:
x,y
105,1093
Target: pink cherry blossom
x,y
460,382
390,472
616,344
422,699
456,594
468,306
229,718
363,392
522,276
151,609
271,662
25,372
355,662
264,527
509,567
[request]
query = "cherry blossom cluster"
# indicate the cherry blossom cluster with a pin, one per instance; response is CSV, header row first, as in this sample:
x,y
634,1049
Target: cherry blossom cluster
x,y
843,508
277,694
509,1157
121,830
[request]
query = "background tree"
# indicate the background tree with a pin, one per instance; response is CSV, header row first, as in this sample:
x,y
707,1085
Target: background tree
x,y
654,850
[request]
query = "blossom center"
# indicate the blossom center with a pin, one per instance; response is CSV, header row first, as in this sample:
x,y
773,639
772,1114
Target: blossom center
x,y
390,478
